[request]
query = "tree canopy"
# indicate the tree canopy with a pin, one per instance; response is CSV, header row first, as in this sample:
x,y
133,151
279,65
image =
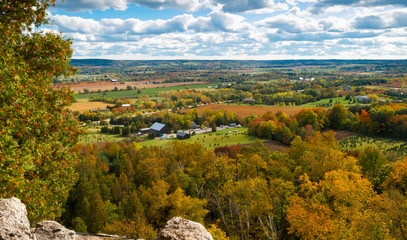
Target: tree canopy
x,y
36,128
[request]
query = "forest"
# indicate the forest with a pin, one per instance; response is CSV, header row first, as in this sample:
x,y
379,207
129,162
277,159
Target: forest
x,y
312,191
313,187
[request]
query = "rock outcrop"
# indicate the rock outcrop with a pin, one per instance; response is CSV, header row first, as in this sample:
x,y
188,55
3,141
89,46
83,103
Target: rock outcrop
x,y
182,229
50,230
14,223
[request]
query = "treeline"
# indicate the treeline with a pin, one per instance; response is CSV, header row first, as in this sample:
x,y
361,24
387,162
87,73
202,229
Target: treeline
x,y
124,131
172,100
287,92
178,121
380,119
313,191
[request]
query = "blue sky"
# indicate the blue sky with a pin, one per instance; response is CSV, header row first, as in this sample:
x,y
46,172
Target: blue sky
x,y
234,29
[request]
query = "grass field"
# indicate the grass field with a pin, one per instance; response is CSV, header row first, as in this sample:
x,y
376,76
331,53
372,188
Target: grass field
x,y
247,110
153,92
359,142
326,101
211,140
93,135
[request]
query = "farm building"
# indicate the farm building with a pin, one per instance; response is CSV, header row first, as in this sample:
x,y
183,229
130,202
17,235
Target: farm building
x,y
159,129
346,88
363,99
144,130
194,125
183,135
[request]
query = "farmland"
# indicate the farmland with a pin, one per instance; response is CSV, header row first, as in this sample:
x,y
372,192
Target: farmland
x,y
332,101
93,135
152,90
247,110
359,142
109,86
211,140
83,106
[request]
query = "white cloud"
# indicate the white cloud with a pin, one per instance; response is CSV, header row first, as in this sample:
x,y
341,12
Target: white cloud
x,y
385,20
76,24
121,5
216,21
229,22
323,5
258,6
83,5
227,33
290,24
187,5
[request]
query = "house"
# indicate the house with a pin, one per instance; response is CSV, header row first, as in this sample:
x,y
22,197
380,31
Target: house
x,y
346,88
250,100
183,135
363,99
126,105
232,125
113,80
144,131
194,125
159,129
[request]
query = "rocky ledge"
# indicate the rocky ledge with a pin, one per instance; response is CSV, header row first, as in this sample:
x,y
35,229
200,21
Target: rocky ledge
x,y
14,224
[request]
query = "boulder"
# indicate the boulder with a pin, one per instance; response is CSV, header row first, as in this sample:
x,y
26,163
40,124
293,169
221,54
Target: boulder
x,y
14,223
182,229
50,230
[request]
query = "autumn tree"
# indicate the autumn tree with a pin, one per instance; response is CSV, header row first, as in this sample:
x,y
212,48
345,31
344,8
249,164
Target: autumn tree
x,y
338,116
307,117
343,205
318,155
373,164
36,129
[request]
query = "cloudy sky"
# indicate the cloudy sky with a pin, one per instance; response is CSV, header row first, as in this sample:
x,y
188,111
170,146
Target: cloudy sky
x,y
234,29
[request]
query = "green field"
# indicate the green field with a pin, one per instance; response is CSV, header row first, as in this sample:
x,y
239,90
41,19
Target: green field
x,y
209,140
153,92
93,135
326,101
212,139
360,142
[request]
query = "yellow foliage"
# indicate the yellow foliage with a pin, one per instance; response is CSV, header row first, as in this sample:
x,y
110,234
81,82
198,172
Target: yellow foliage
x,y
134,228
343,205
217,233
398,177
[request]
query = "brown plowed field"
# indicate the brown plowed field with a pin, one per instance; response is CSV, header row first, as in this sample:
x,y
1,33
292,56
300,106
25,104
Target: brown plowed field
x,y
339,134
107,85
243,110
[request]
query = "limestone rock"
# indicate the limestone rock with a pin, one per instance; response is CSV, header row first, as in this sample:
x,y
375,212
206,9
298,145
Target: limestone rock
x,y
50,230
14,223
182,229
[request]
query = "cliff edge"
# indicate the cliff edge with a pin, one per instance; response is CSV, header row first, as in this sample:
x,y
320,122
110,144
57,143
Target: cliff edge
x,y
14,224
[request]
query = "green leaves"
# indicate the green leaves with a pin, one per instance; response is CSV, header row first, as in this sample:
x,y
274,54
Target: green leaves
x,y
36,129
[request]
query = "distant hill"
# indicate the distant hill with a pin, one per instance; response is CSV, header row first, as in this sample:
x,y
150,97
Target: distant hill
x,y
231,63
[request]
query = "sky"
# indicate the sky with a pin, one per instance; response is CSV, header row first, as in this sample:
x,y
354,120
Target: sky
x,y
233,29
